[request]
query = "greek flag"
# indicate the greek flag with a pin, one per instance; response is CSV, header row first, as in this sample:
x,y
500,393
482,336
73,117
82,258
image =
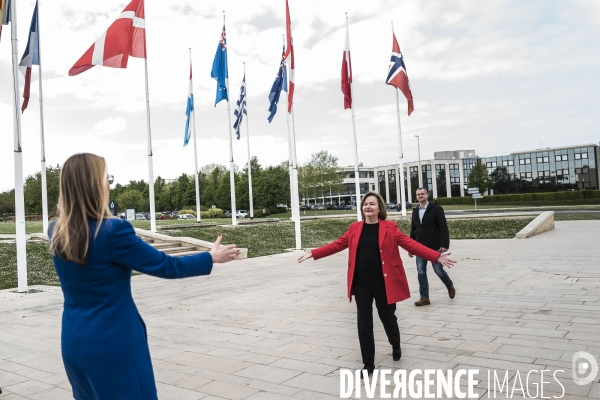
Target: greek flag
x,y
241,110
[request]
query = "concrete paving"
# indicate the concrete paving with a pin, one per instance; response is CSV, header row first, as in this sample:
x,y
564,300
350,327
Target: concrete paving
x,y
269,328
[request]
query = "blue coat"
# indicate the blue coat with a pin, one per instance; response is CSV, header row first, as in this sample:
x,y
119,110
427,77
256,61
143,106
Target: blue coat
x,y
104,342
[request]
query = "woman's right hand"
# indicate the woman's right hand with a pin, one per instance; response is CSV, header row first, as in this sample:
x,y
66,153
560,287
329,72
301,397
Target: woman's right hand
x,y
223,254
307,254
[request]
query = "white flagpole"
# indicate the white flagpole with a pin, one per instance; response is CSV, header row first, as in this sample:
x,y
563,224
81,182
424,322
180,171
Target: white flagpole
x,y
198,218
150,163
401,169
356,173
231,172
18,156
42,140
290,168
249,157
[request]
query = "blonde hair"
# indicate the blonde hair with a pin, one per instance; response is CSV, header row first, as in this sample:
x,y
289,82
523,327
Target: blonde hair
x,y
382,210
83,195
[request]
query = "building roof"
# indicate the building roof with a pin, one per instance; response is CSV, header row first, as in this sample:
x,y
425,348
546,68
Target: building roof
x,y
555,148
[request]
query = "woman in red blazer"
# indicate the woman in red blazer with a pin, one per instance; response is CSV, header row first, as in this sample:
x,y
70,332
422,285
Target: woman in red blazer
x,y
375,271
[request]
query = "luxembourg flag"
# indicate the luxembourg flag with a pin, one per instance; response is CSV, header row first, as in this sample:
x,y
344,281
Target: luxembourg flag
x,y
188,112
125,37
31,56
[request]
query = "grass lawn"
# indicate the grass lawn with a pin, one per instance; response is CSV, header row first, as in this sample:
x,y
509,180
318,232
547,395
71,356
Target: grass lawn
x,y
40,270
267,239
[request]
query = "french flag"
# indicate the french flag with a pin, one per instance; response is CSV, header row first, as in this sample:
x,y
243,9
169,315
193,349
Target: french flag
x,y
289,54
125,37
188,112
31,56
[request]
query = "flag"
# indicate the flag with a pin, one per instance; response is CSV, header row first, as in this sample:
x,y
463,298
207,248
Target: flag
x,y
188,112
289,55
279,84
397,74
241,110
4,14
347,73
30,56
219,68
125,37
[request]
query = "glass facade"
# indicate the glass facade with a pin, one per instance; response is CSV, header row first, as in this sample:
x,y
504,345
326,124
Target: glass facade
x,y
381,181
468,164
427,177
392,185
440,177
454,179
414,183
544,171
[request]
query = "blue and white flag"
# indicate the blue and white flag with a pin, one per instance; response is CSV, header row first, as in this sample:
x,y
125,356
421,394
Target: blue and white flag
x,y
241,110
279,84
188,112
219,68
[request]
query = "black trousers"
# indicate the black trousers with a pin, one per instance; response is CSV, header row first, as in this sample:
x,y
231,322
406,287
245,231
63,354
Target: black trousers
x,y
367,288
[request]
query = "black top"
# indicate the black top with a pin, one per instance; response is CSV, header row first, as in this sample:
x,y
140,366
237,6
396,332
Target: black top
x,y
433,230
368,258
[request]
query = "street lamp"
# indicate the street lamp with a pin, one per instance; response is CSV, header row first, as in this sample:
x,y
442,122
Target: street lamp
x,y
419,147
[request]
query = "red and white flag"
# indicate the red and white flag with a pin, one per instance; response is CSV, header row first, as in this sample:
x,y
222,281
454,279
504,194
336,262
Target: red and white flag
x,y
289,56
125,37
347,73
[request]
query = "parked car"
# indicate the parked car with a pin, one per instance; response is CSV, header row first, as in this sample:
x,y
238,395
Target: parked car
x,y
328,206
140,217
227,214
320,208
391,205
302,208
174,213
242,214
186,216
122,216
408,206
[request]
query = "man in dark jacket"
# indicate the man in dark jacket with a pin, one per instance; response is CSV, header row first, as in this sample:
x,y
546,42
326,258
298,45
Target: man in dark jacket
x,y
429,228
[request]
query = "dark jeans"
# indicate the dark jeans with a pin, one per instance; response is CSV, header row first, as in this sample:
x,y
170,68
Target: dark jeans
x,y
422,272
367,288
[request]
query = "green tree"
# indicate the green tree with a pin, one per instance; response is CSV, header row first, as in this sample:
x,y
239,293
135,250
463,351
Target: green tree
x,y
130,198
210,178
326,176
32,191
7,202
242,189
273,186
479,178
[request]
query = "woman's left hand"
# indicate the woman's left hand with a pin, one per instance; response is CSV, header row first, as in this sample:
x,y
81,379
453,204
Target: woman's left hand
x,y
445,260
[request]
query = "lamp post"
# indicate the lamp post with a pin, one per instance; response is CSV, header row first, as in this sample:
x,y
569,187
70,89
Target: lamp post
x,y
419,149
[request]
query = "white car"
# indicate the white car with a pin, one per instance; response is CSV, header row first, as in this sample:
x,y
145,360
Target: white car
x,y
242,214
186,216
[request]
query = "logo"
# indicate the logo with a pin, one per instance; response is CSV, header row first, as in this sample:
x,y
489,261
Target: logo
x,y
584,367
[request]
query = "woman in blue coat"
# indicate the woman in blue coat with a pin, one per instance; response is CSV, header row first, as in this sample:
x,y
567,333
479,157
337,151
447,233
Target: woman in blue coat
x,y
104,341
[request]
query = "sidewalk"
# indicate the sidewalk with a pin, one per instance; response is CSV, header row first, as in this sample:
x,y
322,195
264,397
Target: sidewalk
x,y
268,328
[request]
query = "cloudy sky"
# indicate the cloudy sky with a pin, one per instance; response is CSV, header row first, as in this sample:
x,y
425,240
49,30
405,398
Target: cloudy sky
x,y
494,76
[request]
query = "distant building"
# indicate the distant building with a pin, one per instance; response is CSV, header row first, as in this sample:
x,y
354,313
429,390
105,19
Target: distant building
x,y
540,170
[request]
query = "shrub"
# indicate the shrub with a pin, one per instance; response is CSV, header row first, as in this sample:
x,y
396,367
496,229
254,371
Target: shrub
x,y
193,212
212,213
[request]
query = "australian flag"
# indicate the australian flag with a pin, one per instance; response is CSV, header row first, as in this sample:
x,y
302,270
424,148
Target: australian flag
x,y
397,75
279,84
219,68
241,110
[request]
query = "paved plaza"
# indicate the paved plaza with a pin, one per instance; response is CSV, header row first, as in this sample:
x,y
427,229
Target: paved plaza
x,y
268,328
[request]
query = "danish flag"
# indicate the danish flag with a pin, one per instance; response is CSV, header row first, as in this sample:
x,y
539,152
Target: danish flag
x,y
125,37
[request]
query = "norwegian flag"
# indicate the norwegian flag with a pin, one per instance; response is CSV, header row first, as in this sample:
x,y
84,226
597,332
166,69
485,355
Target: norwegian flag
x,y
125,37
289,55
397,75
347,73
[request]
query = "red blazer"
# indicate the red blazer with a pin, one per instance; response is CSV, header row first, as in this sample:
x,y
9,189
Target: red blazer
x,y
390,237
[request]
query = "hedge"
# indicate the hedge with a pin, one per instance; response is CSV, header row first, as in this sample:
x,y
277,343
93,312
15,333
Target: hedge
x,y
576,197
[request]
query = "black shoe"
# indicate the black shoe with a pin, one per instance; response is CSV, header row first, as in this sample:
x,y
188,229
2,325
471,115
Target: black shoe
x,y
369,368
397,353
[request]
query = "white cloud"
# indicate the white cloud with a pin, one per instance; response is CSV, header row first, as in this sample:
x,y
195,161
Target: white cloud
x,y
109,126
